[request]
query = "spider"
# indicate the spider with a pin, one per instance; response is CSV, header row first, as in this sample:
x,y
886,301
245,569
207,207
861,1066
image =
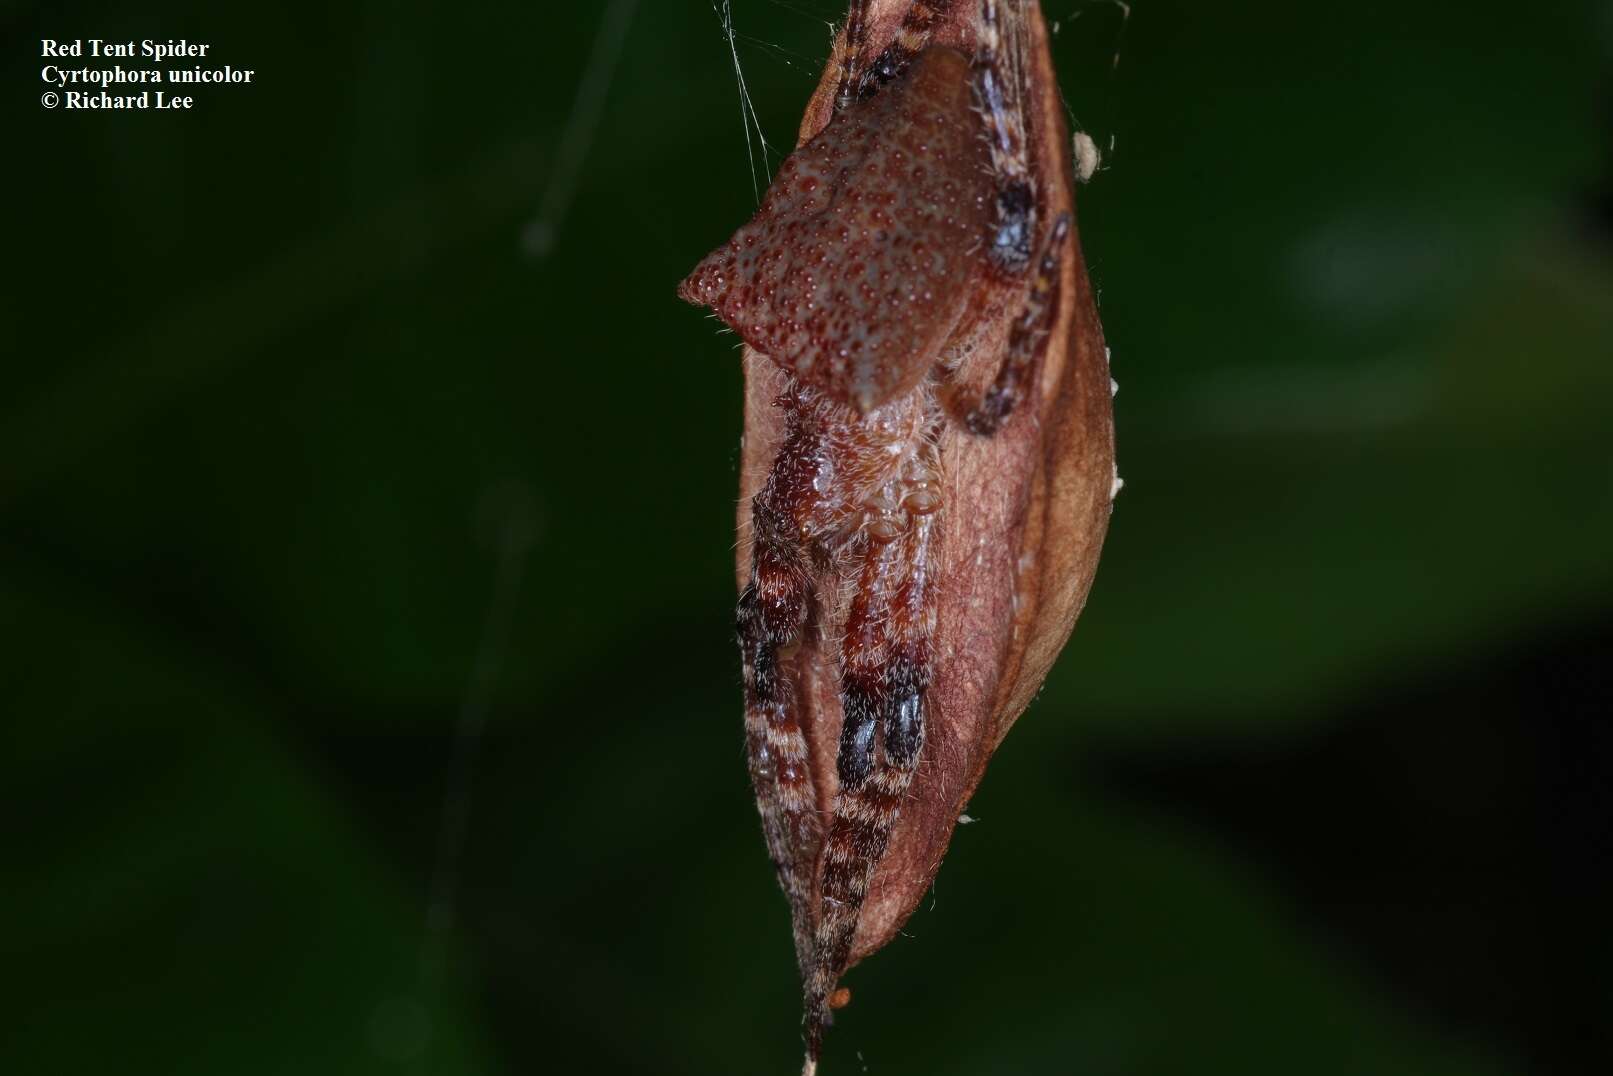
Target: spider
x,y
901,279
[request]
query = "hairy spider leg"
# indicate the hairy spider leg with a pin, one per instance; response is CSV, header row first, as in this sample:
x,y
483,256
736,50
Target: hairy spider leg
x,y
912,37
885,665
1027,342
773,610
851,62
997,85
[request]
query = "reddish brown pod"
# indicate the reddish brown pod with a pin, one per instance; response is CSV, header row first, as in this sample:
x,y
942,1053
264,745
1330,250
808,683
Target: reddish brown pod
x,y
928,458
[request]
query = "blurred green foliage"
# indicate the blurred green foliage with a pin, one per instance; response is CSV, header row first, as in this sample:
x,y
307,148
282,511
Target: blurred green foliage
x,y
284,388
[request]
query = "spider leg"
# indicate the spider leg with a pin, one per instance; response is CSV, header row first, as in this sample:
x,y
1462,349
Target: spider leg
x,y
1027,344
772,614
997,81
851,73
912,37
885,678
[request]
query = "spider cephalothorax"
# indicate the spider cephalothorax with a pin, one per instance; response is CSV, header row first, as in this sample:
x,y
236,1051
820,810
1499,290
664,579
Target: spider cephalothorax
x,y
929,453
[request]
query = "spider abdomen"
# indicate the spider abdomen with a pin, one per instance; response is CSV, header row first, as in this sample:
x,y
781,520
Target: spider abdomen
x,y
858,265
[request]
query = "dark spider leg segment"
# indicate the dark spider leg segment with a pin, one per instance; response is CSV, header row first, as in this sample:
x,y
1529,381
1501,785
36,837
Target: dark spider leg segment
x,y
773,610
885,675
996,85
1027,342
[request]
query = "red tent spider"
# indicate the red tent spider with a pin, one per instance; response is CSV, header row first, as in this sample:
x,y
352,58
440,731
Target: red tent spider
x,y
900,277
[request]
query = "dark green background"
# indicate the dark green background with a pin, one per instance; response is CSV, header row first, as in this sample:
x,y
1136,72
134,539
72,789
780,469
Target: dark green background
x,y
311,468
